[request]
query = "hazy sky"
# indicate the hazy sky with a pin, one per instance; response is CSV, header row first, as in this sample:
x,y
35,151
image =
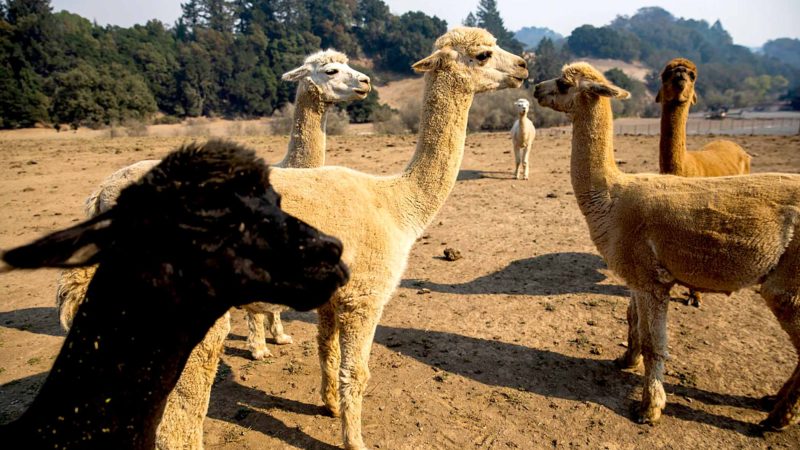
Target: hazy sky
x,y
750,22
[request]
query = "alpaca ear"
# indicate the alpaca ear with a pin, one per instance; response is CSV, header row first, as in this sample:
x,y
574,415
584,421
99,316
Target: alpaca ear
x,y
607,90
79,245
296,74
658,96
694,98
433,62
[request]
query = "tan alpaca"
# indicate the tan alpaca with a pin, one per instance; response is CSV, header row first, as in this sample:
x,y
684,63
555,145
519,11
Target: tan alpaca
x,y
713,234
325,79
522,135
717,158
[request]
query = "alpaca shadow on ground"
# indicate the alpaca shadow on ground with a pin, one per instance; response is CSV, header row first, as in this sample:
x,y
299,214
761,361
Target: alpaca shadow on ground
x,y
241,405
470,175
550,274
16,395
552,374
39,320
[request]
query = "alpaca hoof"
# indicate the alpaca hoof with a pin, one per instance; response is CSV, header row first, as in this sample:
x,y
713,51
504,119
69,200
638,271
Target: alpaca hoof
x,y
628,361
768,402
331,412
774,424
260,353
649,415
356,447
283,339
693,299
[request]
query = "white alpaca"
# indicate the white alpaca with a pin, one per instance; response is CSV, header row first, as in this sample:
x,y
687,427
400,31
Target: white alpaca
x,y
522,135
325,78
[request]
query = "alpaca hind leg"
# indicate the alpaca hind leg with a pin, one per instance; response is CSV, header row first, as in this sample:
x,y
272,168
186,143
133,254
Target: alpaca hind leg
x,y
329,357
276,328
632,357
526,151
785,304
652,310
181,426
358,323
256,339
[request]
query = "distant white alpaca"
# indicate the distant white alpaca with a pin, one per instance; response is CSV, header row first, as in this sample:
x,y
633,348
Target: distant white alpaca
x,y
522,135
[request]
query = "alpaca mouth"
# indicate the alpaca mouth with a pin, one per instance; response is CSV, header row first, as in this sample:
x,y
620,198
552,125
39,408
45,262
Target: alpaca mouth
x,y
362,92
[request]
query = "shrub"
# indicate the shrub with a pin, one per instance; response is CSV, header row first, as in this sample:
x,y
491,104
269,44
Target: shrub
x,y
390,124
337,122
282,120
410,113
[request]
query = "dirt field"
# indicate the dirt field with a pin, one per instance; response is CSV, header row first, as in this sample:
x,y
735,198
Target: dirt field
x,y
508,347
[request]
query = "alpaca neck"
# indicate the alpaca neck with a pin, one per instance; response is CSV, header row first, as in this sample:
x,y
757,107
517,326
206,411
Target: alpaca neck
x,y
307,141
523,124
432,172
593,169
672,146
122,357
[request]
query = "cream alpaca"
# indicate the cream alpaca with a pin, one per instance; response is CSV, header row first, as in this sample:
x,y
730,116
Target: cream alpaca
x,y
380,218
713,234
717,158
522,135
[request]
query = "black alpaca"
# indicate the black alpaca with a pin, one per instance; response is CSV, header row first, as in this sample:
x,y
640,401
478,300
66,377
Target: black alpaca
x,y
200,233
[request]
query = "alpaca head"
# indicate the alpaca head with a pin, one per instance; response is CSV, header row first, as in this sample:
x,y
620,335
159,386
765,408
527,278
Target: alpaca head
x,y
677,82
579,84
522,106
473,54
327,72
205,217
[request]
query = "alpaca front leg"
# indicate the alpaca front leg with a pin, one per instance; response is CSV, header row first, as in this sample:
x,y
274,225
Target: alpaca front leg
x,y
786,411
517,162
329,357
357,333
256,339
633,354
652,311
276,328
525,155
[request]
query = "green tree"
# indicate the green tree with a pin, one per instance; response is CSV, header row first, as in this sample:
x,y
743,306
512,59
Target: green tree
x,y
470,20
488,17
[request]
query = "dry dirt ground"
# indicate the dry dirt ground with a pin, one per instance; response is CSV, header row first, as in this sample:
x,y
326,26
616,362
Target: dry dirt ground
x,y
508,347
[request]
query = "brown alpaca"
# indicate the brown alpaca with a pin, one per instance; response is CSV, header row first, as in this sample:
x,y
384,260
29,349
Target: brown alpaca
x,y
654,231
717,158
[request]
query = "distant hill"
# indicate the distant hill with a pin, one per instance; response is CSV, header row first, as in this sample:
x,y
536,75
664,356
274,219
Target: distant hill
x,y
530,36
784,49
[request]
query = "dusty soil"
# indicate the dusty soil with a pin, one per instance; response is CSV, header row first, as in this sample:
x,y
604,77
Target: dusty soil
x,y
508,347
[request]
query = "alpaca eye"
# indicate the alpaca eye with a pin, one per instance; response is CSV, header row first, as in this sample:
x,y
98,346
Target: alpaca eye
x,y
332,71
562,85
483,56
692,75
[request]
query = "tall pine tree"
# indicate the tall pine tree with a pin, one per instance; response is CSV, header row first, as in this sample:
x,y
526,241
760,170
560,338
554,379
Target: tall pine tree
x,y
488,17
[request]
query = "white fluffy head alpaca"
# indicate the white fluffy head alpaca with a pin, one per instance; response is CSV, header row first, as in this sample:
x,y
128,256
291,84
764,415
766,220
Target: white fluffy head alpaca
x,y
522,106
329,72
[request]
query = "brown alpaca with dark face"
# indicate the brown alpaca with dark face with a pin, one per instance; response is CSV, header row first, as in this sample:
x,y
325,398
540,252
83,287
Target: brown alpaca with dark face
x,y
717,158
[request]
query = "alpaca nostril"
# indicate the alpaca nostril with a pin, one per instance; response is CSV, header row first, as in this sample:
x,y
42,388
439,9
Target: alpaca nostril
x,y
522,64
364,80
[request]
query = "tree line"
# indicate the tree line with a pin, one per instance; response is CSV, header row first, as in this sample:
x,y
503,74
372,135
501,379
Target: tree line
x,y
221,58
